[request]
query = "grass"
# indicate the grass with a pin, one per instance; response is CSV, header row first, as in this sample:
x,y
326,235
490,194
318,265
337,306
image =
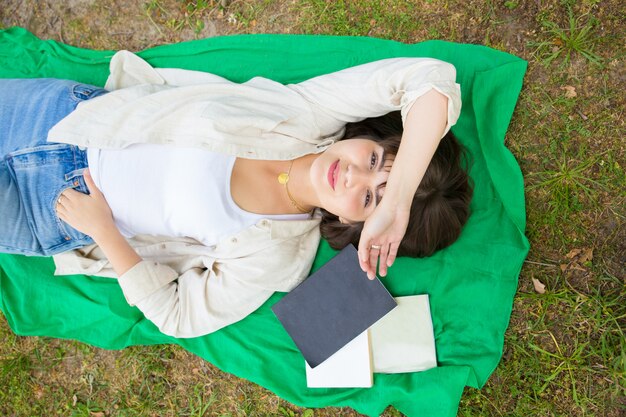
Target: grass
x,y
568,183
363,18
569,337
577,37
191,17
565,350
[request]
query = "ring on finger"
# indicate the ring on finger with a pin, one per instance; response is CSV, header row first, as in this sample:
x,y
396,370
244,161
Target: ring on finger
x,y
376,247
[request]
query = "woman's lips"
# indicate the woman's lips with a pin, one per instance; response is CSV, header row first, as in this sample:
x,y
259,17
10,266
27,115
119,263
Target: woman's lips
x,y
332,174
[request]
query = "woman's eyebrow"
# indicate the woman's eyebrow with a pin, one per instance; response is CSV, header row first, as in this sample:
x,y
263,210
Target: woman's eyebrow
x,y
381,163
381,167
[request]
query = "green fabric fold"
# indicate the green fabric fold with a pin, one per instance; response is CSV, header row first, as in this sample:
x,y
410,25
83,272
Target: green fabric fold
x,y
471,284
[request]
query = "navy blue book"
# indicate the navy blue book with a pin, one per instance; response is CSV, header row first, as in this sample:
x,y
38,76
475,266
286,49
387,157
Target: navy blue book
x,y
332,306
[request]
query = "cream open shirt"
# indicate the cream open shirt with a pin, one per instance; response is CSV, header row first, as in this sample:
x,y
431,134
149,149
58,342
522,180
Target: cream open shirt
x,y
188,289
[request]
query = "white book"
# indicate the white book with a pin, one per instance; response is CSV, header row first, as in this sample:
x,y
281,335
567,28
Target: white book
x,y
349,367
403,340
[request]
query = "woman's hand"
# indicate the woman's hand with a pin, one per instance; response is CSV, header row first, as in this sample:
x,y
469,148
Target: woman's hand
x,y
87,213
90,214
381,236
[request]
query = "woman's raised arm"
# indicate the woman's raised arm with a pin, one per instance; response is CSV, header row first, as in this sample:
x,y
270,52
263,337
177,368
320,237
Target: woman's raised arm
x,y
426,93
377,88
385,227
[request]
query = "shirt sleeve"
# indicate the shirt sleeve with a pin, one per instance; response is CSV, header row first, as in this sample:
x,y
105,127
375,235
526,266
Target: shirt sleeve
x,y
128,70
377,88
203,300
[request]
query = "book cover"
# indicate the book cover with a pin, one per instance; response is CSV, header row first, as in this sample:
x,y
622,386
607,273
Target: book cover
x,y
332,307
349,367
403,340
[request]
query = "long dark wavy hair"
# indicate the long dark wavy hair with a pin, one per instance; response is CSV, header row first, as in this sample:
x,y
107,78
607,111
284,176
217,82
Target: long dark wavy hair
x,y
440,205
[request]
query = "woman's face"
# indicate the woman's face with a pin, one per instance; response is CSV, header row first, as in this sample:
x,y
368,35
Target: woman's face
x,y
349,178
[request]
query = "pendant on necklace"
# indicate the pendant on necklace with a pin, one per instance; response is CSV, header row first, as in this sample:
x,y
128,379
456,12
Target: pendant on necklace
x,y
283,178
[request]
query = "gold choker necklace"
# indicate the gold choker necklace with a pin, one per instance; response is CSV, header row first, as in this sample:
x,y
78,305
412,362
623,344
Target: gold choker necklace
x,y
283,178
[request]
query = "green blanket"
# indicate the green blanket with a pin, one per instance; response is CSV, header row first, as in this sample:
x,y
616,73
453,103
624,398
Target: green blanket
x,y
471,284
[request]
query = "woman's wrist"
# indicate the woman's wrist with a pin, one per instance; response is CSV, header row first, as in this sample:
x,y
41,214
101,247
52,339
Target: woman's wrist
x,y
423,128
397,200
117,250
103,231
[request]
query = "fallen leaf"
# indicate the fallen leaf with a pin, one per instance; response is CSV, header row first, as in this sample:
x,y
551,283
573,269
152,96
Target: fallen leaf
x,y
570,92
74,400
540,288
96,413
563,267
573,253
586,256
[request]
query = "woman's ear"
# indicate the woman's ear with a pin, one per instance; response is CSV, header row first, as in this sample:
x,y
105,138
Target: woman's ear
x,y
343,221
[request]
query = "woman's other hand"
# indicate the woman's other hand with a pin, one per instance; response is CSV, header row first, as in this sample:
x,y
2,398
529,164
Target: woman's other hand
x,y
424,127
381,236
87,213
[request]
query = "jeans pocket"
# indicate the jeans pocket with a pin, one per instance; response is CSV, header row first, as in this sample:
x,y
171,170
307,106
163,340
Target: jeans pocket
x,y
41,176
67,232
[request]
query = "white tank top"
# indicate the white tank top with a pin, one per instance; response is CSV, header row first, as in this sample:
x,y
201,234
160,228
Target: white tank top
x,y
172,191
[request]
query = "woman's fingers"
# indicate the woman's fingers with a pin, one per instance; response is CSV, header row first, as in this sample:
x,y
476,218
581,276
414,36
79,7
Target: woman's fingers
x,y
91,186
382,264
61,210
381,256
364,253
367,258
71,196
63,205
373,260
372,255
68,196
393,253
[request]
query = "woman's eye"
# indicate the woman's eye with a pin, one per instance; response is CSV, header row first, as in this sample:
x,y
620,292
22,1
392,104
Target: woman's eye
x,y
368,198
373,160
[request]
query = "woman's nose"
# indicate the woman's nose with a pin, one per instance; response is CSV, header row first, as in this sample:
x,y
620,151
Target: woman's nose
x,y
355,176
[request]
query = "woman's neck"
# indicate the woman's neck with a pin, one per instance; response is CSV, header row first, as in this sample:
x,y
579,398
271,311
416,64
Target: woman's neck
x,y
300,186
255,186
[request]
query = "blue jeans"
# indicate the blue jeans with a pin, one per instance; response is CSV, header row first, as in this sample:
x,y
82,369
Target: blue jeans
x,y
33,172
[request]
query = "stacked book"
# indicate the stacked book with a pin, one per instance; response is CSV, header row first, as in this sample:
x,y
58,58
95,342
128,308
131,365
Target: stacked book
x,y
348,327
